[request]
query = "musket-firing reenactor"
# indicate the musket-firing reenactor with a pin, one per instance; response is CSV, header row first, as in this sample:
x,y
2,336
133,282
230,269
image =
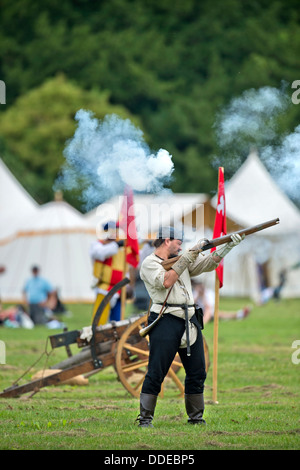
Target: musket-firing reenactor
x,y
179,328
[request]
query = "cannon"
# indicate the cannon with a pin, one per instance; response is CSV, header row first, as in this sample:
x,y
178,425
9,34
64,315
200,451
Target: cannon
x,y
117,344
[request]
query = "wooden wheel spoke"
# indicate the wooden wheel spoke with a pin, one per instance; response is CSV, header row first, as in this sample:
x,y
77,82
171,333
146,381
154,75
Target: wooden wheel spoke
x,y
140,382
136,350
176,363
177,381
134,366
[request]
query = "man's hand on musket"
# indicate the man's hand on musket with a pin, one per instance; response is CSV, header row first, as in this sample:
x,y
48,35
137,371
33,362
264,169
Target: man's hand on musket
x,y
200,244
219,254
188,257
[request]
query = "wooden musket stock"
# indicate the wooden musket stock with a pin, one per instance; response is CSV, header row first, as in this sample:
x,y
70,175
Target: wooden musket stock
x,y
167,264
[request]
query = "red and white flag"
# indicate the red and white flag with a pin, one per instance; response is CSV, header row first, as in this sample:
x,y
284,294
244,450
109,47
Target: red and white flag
x,y
220,228
127,224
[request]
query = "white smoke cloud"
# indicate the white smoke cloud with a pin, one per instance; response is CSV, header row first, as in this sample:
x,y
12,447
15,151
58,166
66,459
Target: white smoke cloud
x,y
251,121
104,156
283,162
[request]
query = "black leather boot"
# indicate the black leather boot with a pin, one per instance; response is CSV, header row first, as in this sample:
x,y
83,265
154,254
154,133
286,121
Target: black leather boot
x,y
194,405
147,407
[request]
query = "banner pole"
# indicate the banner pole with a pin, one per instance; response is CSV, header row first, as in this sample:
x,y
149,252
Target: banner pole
x,y
215,342
123,291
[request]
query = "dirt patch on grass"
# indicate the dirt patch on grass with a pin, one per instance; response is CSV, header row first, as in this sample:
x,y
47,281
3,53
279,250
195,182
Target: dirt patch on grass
x,y
101,407
143,447
213,444
257,388
255,432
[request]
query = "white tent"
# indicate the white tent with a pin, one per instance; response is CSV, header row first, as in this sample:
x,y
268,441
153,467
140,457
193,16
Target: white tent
x,y
15,203
253,197
56,238
13,197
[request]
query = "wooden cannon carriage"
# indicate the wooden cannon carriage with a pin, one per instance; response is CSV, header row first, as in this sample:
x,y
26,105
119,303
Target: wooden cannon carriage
x,y
116,343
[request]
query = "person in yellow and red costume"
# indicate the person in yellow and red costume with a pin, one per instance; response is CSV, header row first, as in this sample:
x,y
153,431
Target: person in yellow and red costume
x,y
108,257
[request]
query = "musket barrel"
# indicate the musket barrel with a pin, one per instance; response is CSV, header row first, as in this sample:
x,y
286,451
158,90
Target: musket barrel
x,y
246,231
167,264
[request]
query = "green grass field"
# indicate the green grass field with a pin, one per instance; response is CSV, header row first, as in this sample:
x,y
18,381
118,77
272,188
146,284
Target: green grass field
x,y
258,393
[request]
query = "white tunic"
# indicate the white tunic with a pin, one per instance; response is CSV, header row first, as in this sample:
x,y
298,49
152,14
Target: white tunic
x,y
152,273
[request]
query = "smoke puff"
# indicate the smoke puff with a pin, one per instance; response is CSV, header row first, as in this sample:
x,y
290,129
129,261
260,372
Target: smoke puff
x,y
283,162
251,121
251,118
104,156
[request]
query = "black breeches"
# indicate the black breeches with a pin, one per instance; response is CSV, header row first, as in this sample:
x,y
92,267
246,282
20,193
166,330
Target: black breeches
x,y
165,340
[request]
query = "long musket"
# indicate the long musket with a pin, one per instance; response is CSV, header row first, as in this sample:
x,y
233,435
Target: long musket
x,y
167,264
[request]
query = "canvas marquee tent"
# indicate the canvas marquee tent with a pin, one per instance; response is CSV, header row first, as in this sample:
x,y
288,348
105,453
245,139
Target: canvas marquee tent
x,y
56,238
15,202
13,196
253,197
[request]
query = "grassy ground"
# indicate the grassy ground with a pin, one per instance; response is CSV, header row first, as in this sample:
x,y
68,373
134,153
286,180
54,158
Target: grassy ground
x,y
258,393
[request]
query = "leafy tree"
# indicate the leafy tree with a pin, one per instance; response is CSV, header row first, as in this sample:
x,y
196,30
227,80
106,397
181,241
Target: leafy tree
x,y
172,63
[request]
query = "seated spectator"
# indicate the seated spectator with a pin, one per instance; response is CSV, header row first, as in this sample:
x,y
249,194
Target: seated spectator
x,y
37,292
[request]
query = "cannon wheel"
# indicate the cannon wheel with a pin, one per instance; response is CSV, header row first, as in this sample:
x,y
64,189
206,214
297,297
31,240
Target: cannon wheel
x,y
131,360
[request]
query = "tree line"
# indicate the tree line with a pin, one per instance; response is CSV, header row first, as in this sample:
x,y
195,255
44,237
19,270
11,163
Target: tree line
x,y
169,66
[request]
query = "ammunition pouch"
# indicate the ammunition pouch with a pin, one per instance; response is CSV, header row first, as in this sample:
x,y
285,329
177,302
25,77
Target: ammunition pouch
x,y
199,315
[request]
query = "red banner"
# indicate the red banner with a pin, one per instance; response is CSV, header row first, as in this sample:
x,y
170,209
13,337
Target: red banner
x,y
127,224
220,220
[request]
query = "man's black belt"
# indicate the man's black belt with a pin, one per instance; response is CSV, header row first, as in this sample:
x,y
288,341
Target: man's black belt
x,y
183,306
